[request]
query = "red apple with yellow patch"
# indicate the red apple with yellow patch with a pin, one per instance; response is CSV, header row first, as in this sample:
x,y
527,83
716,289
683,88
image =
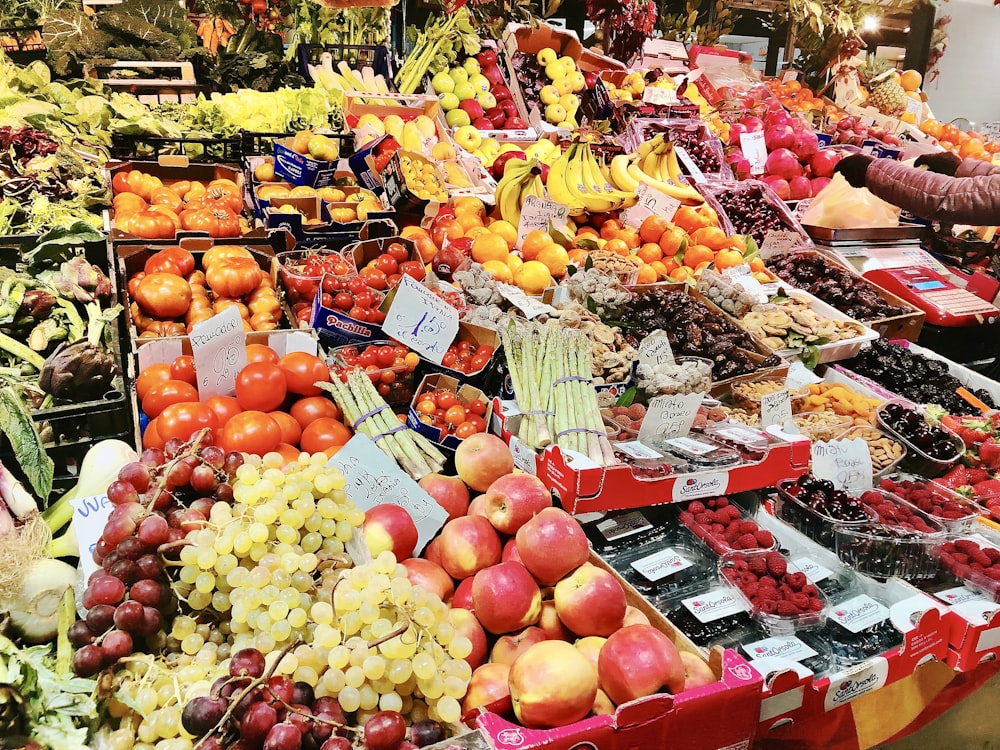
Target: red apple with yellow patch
x,y
469,544
549,621
697,673
603,705
638,661
448,492
551,544
430,576
481,459
513,499
590,601
510,553
489,688
552,685
466,624
390,527
509,647
463,595
591,647
506,598
634,616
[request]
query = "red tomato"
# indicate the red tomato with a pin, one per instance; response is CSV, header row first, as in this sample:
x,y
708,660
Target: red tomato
x,y
225,408
477,422
446,399
152,375
426,406
151,436
307,410
260,387
261,353
455,414
387,264
183,369
290,429
398,251
162,395
251,432
184,420
477,407
464,430
322,434
413,268
301,370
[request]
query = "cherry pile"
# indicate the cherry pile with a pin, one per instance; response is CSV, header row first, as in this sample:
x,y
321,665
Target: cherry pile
x,y
387,365
723,528
930,500
965,559
442,409
750,212
819,508
354,297
467,357
911,426
764,580
157,500
252,709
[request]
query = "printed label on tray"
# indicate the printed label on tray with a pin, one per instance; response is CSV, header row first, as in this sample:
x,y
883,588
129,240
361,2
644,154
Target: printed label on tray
x,y
740,435
859,613
661,564
693,169
659,95
782,648
812,569
713,605
960,595
701,484
689,445
867,677
635,449
625,525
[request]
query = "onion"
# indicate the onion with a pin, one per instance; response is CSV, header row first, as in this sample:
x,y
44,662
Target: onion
x,y
34,608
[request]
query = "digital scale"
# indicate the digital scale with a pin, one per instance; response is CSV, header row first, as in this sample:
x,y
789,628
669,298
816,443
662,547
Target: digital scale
x,y
944,303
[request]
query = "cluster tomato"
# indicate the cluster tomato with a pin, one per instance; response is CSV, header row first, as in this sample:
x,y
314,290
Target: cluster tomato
x,y
441,408
386,364
301,278
467,357
277,406
354,297
384,271
148,208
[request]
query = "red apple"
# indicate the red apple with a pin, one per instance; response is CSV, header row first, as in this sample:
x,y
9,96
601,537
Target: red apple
x,y
549,622
591,647
468,544
603,705
590,601
488,688
509,647
545,173
390,527
430,576
551,545
463,595
500,163
486,58
447,227
478,507
502,94
697,673
506,598
513,499
448,492
552,685
447,260
515,123
473,108
493,75
634,616
462,244
465,623
510,553
638,661
589,79
483,123
481,459
496,116
507,105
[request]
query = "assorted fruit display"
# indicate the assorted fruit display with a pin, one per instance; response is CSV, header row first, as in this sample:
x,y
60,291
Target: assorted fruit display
x,y
509,440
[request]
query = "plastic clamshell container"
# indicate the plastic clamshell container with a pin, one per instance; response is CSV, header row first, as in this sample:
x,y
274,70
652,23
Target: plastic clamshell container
x,y
716,542
858,627
298,286
741,392
917,461
698,365
773,624
700,453
825,428
621,433
770,654
817,526
709,614
878,550
977,579
965,511
868,434
751,442
622,530
665,568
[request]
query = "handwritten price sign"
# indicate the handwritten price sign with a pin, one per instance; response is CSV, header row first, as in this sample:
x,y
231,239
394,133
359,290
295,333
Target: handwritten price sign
x,y
754,150
775,408
651,203
219,346
846,463
536,213
655,350
420,319
669,416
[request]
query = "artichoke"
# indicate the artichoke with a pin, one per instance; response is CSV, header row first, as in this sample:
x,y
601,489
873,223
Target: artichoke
x,y
80,371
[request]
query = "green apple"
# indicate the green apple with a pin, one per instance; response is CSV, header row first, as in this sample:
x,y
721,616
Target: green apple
x,y
479,82
564,85
570,102
459,75
465,91
555,113
442,83
448,100
486,99
471,66
457,118
468,138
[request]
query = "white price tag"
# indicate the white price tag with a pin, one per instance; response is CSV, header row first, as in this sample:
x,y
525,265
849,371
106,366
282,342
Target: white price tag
x,y
537,213
421,320
742,277
693,169
650,202
858,613
659,95
661,564
846,463
531,308
713,605
778,241
655,350
754,150
669,416
525,459
915,108
89,516
812,569
789,75
374,479
775,407
219,346
635,449
799,376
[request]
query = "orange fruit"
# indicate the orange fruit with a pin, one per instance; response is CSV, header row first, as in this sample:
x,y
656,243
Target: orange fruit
x,y
468,220
514,262
711,237
652,227
709,216
616,246
534,241
578,257
609,229
696,255
498,271
738,242
412,230
660,267
650,252
469,204
681,273
587,231
506,230
688,219
533,277
489,246
728,258
701,267
757,265
631,237
673,240
647,275
555,258
476,231
670,265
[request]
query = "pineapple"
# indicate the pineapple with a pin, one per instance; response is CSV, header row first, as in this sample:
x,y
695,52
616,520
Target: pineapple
x,y
885,93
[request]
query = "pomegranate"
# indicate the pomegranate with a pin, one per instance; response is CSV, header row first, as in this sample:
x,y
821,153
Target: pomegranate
x,y
783,163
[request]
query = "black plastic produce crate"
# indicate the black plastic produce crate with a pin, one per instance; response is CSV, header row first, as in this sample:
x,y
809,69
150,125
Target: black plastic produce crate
x,y
20,44
356,55
200,150
256,143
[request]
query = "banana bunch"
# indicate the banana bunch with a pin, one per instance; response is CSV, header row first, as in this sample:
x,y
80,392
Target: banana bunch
x,y
520,179
580,181
654,163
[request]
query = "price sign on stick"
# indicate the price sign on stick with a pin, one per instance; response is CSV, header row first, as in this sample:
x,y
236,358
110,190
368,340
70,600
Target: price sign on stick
x,y
693,169
651,202
219,345
670,416
655,350
754,150
421,320
775,407
846,463
537,213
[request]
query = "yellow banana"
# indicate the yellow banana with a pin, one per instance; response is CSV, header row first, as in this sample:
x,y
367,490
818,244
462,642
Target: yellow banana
x,y
557,183
646,146
673,167
620,175
684,194
509,189
592,169
580,187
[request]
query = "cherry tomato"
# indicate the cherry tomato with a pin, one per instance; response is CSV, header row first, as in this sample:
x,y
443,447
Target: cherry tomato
x,y
301,371
261,353
449,359
374,278
413,268
426,406
455,414
184,420
356,285
162,395
251,432
386,264
358,313
477,407
386,356
307,410
343,301
324,433
398,252
464,430
225,408
261,387
152,375
290,429
289,453
478,422
446,399
182,368
151,435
